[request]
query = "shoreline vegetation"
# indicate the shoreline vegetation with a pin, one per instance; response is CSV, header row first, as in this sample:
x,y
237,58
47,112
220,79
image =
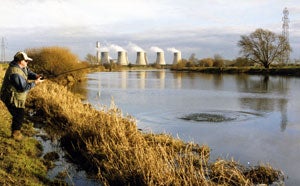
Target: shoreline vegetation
x,y
274,70
109,146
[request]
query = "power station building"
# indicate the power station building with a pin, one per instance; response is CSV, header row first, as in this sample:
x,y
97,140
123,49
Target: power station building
x,y
141,57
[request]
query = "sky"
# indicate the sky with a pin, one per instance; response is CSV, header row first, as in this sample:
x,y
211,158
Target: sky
x,y
201,27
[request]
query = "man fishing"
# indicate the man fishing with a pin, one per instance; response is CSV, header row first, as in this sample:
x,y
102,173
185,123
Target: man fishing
x,y
15,88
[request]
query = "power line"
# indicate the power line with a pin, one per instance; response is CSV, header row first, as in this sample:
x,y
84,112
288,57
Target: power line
x,y
285,32
285,25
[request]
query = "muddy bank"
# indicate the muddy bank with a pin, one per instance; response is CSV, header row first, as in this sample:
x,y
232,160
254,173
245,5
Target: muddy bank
x,y
61,168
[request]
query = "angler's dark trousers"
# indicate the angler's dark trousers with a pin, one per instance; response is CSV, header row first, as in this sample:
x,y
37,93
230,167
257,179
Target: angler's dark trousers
x,y
17,116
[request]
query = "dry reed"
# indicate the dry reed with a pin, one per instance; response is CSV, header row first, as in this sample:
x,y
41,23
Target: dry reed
x,y
111,146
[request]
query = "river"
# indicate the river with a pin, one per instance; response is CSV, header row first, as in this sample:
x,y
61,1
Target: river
x,y
251,118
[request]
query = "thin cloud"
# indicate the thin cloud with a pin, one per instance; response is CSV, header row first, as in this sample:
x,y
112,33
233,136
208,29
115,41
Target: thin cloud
x,y
192,26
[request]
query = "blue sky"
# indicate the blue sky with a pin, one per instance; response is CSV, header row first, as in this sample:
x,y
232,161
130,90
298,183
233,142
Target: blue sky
x,y
203,27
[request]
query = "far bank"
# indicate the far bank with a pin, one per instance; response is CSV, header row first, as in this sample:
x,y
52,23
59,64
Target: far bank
x,y
283,71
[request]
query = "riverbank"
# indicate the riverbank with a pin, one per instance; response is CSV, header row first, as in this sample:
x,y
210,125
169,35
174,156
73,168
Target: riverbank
x,y
284,70
110,147
21,163
24,162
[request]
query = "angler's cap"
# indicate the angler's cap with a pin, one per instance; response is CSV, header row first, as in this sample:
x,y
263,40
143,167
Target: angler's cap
x,y
21,56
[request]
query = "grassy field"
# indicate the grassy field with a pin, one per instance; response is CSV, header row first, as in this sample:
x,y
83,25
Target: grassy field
x,y
109,146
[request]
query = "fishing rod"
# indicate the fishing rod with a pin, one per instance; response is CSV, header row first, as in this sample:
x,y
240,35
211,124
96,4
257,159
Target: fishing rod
x,y
50,76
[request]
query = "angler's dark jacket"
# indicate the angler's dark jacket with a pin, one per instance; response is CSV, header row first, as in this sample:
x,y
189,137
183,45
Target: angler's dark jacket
x,y
16,86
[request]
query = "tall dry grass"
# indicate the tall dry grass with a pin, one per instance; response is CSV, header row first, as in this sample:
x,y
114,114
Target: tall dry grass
x,y
110,145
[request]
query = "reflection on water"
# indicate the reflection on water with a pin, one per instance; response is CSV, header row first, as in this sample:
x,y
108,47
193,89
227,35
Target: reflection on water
x,y
283,111
268,89
161,75
265,123
268,104
178,77
142,78
124,75
264,85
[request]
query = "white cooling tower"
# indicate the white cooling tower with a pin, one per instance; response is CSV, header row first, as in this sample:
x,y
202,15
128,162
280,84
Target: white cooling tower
x,y
177,57
104,57
141,58
160,58
122,58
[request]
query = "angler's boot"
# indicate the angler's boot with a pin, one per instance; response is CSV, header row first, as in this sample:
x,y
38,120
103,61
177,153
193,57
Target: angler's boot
x,y
17,135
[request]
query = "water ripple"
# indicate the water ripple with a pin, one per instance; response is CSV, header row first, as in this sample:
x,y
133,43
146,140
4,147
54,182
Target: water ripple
x,y
220,116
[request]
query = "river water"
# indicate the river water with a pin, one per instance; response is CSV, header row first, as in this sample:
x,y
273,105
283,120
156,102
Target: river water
x,y
251,118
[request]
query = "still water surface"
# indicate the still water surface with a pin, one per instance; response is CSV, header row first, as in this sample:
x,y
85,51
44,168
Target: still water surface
x,y
261,114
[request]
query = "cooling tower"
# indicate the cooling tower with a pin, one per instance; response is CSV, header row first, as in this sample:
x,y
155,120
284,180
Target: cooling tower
x,y
160,58
122,58
104,57
177,57
141,58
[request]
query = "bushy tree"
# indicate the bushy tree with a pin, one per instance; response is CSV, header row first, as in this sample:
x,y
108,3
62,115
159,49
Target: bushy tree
x,y
192,61
52,61
91,59
57,64
264,47
241,62
206,62
180,65
218,61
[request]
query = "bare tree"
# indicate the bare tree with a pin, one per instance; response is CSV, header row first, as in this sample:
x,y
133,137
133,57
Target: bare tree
x,y
264,47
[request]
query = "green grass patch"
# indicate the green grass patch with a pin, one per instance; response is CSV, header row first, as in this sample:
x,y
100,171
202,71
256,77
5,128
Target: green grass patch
x,y
20,162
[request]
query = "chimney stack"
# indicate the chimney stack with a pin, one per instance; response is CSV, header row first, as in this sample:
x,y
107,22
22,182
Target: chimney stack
x,y
98,52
